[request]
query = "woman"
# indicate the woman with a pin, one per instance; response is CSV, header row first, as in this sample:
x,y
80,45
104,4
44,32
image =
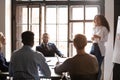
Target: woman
x,y
100,36
3,63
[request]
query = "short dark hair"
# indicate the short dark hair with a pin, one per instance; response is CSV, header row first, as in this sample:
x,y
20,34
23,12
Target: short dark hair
x,y
28,38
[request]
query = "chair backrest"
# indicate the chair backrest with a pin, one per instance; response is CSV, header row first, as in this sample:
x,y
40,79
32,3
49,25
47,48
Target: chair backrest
x,y
84,77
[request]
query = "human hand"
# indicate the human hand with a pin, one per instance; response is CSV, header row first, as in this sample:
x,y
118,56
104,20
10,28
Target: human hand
x,y
96,36
62,56
57,63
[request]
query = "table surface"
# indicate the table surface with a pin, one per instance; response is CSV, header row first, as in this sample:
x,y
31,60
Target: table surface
x,y
51,62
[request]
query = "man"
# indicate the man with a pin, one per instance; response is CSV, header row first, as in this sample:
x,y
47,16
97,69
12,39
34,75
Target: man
x,y
25,62
81,64
48,49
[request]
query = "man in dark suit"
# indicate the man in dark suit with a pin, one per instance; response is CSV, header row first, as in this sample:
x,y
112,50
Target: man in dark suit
x,y
48,49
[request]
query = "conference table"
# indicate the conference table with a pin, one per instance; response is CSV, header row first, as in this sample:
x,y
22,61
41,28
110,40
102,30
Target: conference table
x,y
51,62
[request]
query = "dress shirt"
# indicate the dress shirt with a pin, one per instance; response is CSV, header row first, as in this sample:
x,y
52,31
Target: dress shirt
x,y
103,33
26,62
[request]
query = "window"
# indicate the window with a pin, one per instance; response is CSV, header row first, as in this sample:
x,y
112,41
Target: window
x,y
61,20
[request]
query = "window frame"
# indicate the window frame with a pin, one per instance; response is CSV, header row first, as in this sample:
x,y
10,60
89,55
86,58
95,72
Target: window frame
x,y
16,3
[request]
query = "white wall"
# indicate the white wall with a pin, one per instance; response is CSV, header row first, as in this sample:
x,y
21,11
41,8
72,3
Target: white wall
x,y
5,23
8,29
2,16
109,13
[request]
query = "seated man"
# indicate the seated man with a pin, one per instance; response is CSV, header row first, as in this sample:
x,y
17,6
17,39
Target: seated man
x,y
25,63
82,64
48,49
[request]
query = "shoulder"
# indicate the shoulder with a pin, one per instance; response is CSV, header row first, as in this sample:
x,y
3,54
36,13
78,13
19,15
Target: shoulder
x,y
16,51
51,44
39,46
37,53
104,28
38,56
92,57
69,60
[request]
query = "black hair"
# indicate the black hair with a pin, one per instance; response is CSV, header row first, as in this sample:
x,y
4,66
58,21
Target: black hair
x,y
28,38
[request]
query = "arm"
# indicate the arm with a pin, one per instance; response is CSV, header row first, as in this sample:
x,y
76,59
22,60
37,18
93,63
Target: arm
x,y
38,48
104,34
101,34
96,36
43,66
60,68
3,65
10,67
57,51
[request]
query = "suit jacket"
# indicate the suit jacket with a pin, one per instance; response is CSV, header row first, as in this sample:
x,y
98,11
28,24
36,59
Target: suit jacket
x,y
50,52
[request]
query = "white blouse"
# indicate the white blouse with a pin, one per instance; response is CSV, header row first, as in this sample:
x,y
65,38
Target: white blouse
x,y
103,33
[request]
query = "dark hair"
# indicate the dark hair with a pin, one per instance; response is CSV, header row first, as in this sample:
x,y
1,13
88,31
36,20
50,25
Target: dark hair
x,y
104,21
28,38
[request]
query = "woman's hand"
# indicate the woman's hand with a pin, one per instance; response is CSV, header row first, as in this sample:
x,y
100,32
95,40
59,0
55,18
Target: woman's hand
x,y
97,36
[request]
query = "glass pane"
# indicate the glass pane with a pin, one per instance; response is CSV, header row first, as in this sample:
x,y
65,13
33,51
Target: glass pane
x,y
76,13
76,28
42,20
62,46
18,44
62,15
35,29
19,30
88,47
51,30
62,32
24,16
88,30
50,14
90,12
35,15
72,50
21,15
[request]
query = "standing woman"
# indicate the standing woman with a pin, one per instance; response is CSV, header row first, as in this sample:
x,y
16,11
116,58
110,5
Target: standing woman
x,y
100,36
3,63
